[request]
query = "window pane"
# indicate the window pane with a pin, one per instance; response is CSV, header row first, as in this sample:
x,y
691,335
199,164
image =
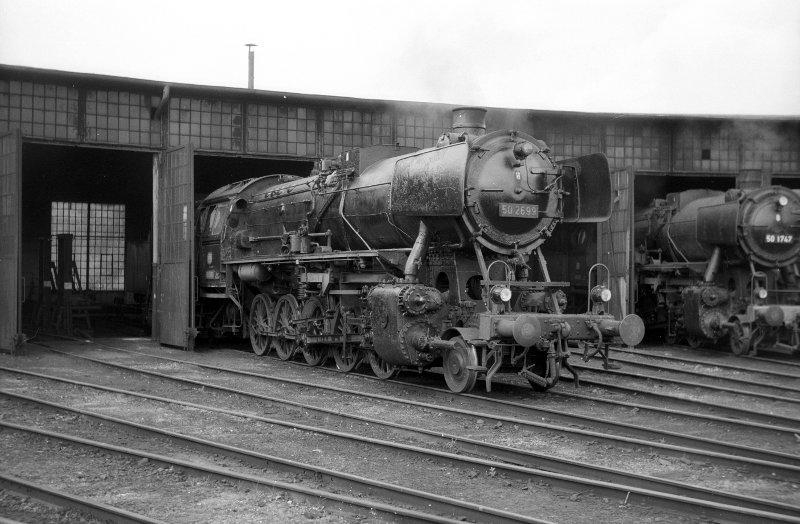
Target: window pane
x,y
98,244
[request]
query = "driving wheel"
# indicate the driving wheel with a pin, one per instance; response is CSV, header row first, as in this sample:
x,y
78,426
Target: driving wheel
x,y
261,323
346,356
314,316
286,340
382,369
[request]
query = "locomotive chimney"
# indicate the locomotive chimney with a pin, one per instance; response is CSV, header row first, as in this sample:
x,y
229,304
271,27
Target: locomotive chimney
x,y
470,120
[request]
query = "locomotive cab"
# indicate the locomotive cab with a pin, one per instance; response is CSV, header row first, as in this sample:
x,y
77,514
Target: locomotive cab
x,y
220,311
210,223
212,217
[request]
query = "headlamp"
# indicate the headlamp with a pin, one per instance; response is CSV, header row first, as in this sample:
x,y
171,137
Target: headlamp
x,y
600,294
500,294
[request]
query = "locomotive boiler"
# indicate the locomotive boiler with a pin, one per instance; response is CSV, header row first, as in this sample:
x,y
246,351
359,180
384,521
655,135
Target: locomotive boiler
x,y
409,259
716,264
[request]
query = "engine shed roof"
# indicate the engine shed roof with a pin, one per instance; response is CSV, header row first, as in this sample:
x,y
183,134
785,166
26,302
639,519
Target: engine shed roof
x,y
328,100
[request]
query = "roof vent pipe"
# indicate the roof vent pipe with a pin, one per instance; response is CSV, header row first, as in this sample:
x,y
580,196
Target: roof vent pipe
x,y
251,65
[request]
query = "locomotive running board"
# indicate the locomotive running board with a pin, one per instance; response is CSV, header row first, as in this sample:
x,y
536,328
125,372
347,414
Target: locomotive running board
x,y
317,257
524,283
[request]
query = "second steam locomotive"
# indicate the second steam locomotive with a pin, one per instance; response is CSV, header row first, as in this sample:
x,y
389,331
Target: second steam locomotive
x,y
716,265
410,259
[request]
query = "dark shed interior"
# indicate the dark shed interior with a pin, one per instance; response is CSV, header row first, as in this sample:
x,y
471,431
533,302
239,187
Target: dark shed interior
x,y
62,183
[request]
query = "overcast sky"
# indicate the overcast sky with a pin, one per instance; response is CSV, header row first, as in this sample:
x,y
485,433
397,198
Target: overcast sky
x,y
731,57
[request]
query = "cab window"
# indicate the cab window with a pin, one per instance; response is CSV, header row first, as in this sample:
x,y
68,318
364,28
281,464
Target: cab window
x,y
215,221
211,221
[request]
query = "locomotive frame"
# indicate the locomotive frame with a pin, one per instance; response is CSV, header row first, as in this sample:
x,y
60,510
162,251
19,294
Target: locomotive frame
x,y
722,265
351,262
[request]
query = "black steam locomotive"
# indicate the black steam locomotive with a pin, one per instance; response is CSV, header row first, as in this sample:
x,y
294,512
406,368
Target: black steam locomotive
x,y
409,259
715,264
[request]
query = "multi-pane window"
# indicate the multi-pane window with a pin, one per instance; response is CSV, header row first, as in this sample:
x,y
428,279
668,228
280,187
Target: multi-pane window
x,y
706,146
98,244
772,148
641,146
121,117
281,129
568,141
39,110
421,130
343,130
208,123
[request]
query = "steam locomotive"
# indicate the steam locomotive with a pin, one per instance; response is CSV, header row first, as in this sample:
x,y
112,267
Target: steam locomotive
x,y
714,264
408,258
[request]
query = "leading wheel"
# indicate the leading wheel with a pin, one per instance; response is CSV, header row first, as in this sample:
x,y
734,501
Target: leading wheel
x,y
346,356
739,338
314,316
382,369
261,323
457,362
286,340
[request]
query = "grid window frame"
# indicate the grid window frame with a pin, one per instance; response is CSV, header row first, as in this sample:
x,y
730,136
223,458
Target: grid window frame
x,y
570,141
421,130
121,117
707,147
209,124
770,148
347,129
40,110
640,146
98,244
284,130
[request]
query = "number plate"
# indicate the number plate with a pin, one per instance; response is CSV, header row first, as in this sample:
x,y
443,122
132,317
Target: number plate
x,y
519,210
778,239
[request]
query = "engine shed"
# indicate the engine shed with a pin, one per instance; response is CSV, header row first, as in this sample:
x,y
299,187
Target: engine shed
x,y
99,177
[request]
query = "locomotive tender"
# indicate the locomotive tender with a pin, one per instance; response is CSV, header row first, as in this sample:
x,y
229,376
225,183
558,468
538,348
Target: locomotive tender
x,y
409,259
716,264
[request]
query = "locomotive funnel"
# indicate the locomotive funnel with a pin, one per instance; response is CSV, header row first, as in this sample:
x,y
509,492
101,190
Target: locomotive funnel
x,y
470,120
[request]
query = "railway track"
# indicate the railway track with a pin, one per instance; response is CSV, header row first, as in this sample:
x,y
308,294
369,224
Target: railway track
x,y
423,500
510,458
786,470
788,369
707,380
784,420
63,499
333,495
764,461
788,392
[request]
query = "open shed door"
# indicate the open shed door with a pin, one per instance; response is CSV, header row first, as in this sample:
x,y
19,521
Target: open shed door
x,y
173,319
614,247
11,289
